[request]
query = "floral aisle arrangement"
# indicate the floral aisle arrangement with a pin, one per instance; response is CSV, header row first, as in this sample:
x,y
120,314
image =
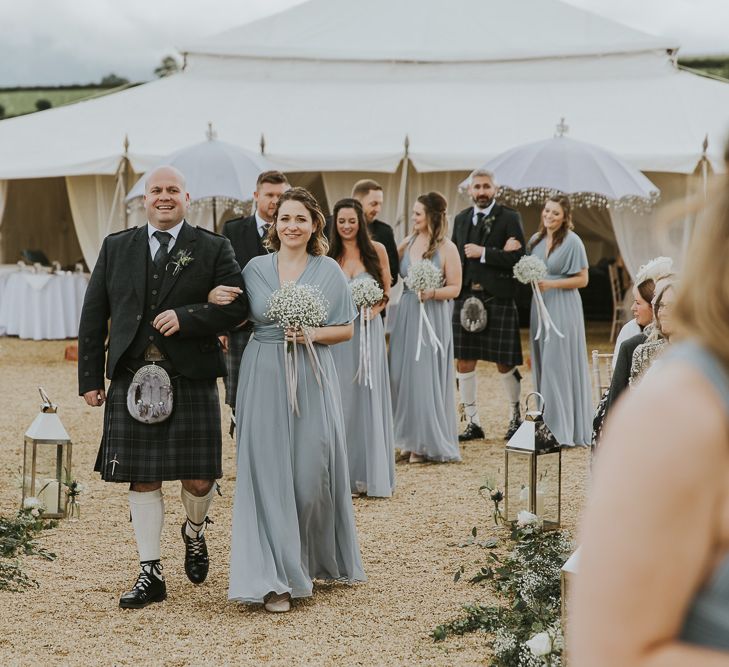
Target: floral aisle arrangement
x,y
300,308
529,270
74,489
527,629
17,536
366,294
424,275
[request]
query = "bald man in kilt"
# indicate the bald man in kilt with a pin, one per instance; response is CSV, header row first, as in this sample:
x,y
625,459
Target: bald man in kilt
x,y
148,292
490,241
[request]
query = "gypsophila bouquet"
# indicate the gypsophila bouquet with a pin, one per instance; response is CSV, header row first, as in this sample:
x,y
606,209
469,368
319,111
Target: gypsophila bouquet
x,y
529,270
366,293
298,307
33,506
424,275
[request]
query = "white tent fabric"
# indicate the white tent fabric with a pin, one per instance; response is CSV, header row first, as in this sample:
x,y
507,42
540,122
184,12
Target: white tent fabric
x,y
334,88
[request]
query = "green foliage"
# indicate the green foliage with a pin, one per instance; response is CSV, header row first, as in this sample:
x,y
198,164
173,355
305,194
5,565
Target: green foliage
x,y
17,537
113,81
20,101
42,104
713,65
168,66
528,582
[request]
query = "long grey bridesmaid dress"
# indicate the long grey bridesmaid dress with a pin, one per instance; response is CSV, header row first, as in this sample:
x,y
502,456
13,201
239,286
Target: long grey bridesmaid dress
x,y
367,413
559,365
292,514
423,393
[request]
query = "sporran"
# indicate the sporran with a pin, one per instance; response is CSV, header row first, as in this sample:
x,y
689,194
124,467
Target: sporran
x,y
149,397
474,316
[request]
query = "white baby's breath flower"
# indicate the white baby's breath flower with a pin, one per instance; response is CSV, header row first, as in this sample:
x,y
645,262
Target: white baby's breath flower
x,y
524,519
540,644
295,306
35,512
530,269
424,275
366,292
32,503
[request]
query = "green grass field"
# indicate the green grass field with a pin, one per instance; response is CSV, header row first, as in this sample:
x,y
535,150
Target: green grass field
x,y
18,102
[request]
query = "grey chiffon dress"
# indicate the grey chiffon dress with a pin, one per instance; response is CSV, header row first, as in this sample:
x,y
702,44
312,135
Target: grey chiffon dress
x,y
423,391
707,620
559,365
367,412
293,520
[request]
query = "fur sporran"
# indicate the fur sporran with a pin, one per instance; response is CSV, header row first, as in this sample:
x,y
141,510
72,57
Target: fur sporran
x,y
474,316
149,397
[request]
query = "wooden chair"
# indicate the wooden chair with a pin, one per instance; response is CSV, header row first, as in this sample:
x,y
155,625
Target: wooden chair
x,y
602,373
620,312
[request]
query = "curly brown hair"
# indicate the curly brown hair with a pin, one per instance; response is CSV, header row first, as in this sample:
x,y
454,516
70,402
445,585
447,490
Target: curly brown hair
x,y
317,244
435,205
565,227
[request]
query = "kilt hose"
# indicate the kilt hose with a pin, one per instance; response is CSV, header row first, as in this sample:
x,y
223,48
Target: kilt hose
x,y
237,341
499,342
187,445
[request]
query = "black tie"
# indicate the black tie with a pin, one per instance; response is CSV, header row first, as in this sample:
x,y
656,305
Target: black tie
x,y
160,257
265,227
479,218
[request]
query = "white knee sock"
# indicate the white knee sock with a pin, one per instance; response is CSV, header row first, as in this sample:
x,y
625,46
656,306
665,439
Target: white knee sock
x,y
147,509
511,380
197,509
467,389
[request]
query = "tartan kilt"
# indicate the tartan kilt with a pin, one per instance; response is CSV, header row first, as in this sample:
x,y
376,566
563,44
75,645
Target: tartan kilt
x,y
500,342
187,445
237,341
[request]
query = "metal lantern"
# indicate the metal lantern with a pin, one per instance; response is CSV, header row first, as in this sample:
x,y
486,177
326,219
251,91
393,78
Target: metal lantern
x,y
567,582
47,460
534,469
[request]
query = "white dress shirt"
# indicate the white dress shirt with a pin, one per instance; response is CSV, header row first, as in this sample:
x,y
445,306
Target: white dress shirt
x,y
261,225
474,221
154,243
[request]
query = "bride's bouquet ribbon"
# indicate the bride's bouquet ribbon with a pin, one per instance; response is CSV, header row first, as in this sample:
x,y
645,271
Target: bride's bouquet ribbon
x,y
424,275
366,293
529,270
299,308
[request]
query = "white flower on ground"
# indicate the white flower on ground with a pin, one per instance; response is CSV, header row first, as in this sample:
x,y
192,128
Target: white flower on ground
x,y
540,644
524,519
35,512
31,503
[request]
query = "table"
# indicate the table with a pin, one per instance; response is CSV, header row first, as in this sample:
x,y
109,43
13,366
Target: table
x,y
41,306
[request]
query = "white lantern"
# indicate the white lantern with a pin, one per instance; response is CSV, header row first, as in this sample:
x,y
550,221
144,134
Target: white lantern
x,y
533,470
47,460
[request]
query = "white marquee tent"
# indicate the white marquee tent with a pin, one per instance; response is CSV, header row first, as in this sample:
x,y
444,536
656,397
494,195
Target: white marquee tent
x,y
340,89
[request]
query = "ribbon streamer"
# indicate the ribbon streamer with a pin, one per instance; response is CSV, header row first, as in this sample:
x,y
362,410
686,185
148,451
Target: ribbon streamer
x,y
364,370
544,319
291,369
435,343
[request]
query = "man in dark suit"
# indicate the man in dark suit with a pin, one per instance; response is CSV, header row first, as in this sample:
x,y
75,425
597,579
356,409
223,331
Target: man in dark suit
x,y
490,241
152,283
246,235
369,194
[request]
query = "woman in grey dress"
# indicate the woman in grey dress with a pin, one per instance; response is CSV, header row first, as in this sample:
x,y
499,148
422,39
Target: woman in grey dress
x,y
423,396
367,409
292,515
653,583
559,364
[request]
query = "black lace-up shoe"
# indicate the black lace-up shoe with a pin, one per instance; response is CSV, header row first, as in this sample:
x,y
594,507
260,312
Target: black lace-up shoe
x,y
149,588
196,556
472,432
514,425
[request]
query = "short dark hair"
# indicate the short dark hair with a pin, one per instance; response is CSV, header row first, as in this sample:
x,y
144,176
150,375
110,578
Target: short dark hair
x,y
273,177
364,187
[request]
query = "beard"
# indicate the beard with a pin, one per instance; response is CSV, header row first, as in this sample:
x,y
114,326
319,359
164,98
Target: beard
x,y
482,201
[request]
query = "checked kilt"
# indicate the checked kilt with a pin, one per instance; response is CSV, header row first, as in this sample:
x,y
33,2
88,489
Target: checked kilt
x,y
237,341
187,445
500,342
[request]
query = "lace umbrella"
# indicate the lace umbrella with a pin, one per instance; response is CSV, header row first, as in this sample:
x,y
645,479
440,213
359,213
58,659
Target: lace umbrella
x,y
219,175
588,174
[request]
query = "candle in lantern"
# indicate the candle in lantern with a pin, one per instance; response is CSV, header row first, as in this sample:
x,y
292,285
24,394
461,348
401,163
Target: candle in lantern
x,y
49,494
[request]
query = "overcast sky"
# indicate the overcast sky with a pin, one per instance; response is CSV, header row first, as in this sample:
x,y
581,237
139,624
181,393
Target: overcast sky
x,y
53,42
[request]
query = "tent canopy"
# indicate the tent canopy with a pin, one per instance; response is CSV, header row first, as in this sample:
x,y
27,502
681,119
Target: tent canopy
x,y
334,86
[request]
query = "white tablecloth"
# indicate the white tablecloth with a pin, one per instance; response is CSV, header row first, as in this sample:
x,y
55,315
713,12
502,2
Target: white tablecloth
x,y
41,306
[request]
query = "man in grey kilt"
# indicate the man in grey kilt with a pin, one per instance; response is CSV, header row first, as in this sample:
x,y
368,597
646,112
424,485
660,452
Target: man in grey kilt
x,y
490,241
149,293
247,235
